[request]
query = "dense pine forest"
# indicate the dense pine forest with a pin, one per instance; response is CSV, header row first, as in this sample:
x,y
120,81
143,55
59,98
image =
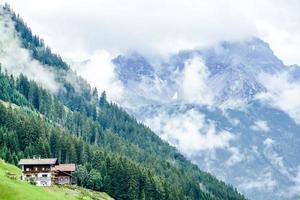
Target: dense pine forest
x,y
113,152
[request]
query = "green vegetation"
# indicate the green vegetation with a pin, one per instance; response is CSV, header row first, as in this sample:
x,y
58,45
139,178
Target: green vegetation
x,y
16,189
24,133
114,153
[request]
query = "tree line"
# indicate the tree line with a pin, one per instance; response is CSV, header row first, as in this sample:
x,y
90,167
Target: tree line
x,y
24,133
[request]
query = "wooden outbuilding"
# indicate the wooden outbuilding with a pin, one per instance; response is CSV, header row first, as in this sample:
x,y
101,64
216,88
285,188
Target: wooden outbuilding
x,y
62,173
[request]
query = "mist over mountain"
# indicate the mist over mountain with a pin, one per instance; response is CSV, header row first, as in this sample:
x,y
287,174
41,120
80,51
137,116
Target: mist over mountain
x,y
233,109
231,70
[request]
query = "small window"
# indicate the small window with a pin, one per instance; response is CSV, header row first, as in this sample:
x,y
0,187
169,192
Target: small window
x,y
44,175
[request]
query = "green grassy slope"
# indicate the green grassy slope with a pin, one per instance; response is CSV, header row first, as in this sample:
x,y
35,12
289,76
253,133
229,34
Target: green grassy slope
x,y
16,189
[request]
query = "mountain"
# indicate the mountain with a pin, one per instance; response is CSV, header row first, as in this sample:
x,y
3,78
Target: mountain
x,y
46,109
232,70
133,68
232,109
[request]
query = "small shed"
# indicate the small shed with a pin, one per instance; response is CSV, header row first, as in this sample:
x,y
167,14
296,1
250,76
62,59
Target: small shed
x,y
62,173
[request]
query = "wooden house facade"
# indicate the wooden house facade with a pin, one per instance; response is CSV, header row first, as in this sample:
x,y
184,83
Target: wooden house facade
x,y
46,171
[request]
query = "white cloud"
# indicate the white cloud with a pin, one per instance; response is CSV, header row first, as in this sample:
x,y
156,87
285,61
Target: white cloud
x,y
161,26
236,156
17,60
260,125
235,121
274,158
282,93
263,181
291,174
99,71
189,132
234,103
146,26
268,142
293,190
193,83
280,26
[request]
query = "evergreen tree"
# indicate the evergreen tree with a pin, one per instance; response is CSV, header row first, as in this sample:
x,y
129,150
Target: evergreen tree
x,y
102,100
95,180
81,175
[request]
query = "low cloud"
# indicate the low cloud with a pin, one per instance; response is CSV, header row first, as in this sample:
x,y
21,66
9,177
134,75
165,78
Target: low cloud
x,y
189,131
236,156
291,174
193,83
260,125
282,93
274,158
99,71
17,60
263,181
293,190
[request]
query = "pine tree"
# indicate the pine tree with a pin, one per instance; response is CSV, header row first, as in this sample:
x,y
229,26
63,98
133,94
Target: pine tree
x,y
81,175
95,180
102,100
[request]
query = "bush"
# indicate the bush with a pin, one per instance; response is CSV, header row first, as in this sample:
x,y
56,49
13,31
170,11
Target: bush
x,y
32,181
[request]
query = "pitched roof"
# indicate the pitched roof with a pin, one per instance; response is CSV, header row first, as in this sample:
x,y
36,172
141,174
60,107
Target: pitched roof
x,y
64,167
38,161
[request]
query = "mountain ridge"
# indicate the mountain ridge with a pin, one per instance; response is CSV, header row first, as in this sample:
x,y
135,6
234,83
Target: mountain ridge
x,y
235,62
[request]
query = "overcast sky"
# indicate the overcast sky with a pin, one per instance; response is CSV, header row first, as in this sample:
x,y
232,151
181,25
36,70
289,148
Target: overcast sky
x,y
78,28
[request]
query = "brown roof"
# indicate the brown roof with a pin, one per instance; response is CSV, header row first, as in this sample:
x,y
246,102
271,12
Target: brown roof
x,y
64,167
38,161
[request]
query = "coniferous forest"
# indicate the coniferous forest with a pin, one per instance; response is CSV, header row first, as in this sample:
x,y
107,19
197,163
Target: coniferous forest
x,y
113,152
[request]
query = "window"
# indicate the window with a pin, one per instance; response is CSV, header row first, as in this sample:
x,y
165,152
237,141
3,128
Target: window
x,y
44,175
36,168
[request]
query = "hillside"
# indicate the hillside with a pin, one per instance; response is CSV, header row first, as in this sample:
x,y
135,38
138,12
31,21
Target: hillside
x,y
16,189
113,151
